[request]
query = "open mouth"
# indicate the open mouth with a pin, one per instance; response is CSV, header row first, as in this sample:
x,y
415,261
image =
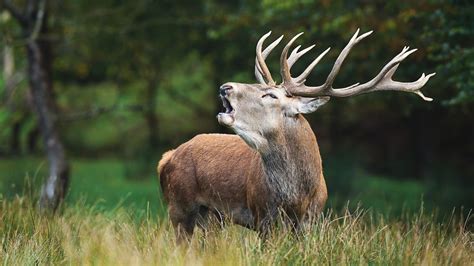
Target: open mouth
x,y
227,106
226,117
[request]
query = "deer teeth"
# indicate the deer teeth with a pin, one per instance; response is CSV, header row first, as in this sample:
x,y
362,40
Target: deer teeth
x,y
227,105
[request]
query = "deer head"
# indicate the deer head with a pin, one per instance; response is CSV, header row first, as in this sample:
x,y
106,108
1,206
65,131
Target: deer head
x,y
257,111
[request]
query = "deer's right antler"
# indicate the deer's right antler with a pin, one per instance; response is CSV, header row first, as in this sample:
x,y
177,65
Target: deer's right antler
x,y
381,82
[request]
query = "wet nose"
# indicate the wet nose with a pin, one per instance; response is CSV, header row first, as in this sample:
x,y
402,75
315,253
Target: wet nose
x,y
224,88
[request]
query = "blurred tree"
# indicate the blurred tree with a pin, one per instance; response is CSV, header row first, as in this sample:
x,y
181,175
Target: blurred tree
x,y
33,20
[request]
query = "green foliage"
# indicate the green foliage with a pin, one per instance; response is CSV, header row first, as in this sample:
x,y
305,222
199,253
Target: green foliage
x,y
450,33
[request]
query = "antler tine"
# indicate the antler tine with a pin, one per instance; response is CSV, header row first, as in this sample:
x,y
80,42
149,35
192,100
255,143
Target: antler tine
x,y
284,65
295,54
307,91
294,82
381,82
342,56
302,78
265,53
262,73
390,67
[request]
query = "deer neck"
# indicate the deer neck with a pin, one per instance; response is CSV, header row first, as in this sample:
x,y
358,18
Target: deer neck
x,y
291,161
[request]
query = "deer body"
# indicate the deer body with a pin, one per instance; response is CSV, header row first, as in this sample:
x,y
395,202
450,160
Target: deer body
x,y
273,166
221,174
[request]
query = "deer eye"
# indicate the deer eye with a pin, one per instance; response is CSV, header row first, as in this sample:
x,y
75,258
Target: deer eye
x,y
270,95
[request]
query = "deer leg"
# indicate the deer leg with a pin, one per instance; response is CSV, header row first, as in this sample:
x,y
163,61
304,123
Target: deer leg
x,y
202,217
310,218
184,221
265,225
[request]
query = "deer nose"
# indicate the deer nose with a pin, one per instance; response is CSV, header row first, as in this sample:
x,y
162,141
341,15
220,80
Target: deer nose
x,y
224,88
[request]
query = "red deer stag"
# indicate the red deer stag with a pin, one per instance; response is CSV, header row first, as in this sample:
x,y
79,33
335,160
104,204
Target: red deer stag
x,y
273,164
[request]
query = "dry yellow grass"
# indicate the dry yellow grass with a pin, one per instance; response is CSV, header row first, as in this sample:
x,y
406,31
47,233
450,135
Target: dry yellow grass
x,y
83,236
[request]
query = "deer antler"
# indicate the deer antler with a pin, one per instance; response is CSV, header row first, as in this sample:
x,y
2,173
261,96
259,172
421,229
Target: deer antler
x,y
382,82
261,70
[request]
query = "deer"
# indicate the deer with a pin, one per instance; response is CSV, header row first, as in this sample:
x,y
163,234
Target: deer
x,y
272,165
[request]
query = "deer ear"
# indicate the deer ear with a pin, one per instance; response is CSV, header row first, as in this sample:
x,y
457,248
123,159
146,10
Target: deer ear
x,y
309,105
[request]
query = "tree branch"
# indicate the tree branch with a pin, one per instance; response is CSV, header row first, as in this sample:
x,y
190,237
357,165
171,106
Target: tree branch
x,y
39,20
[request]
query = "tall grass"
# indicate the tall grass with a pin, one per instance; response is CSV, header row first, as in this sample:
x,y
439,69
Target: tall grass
x,y
84,235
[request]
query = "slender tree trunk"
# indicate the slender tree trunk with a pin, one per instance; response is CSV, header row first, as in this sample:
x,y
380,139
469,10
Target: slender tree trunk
x,y
33,20
39,72
39,57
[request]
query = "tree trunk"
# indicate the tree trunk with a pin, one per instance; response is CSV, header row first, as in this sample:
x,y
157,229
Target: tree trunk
x,y
39,72
39,57
33,20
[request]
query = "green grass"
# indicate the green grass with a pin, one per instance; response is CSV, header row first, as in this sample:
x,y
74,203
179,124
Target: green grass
x,y
84,235
102,183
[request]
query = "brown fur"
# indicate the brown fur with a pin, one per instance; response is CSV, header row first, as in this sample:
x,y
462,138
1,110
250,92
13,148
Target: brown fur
x,y
222,174
164,160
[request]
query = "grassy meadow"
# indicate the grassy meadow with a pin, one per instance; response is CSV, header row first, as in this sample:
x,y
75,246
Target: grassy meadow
x,y
84,235
109,219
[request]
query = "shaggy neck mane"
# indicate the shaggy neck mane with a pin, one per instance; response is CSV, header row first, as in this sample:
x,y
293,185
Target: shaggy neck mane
x,y
292,161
